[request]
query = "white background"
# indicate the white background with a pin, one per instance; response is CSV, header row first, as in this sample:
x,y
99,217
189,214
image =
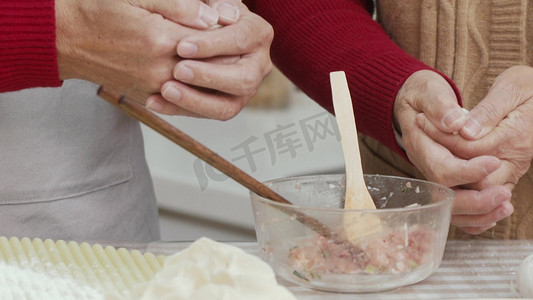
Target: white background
x,y
222,210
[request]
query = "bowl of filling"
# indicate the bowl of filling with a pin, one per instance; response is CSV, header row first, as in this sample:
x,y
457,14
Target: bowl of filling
x,y
400,243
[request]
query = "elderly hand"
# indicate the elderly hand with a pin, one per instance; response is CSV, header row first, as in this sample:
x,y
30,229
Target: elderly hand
x,y
227,63
500,125
130,47
429,94
127,46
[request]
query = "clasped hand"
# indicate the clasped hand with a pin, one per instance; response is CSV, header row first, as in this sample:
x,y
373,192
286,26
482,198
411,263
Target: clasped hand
x,y
481,154
169,54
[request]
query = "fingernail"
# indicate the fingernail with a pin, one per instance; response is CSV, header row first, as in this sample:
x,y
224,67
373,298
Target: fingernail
x,y
208,15
154,105
492,165
506,210
228,12
500,196
472,127
187,49
184,73
171,93
453,117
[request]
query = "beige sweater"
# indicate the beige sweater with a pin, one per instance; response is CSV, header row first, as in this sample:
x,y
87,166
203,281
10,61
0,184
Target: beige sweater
x,y
471,41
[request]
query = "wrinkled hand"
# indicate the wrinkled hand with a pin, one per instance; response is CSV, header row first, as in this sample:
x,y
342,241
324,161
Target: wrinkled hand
x,y
127,45
428,94
500,125
221,69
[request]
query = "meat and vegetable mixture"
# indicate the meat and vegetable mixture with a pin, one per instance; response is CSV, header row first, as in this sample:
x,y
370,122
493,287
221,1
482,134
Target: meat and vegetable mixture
x,y
395,251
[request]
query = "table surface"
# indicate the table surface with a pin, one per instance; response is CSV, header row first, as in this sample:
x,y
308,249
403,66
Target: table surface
x,y
470,269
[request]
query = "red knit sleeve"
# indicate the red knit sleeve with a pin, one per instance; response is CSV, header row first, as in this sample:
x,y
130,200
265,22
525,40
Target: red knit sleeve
x,y
28,55
314,37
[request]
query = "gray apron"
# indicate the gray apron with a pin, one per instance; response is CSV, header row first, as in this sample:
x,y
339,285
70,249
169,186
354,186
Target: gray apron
x,y
72,167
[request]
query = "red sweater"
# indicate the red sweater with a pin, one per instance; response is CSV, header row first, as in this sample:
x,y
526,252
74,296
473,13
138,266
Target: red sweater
x,y
28,56
315,37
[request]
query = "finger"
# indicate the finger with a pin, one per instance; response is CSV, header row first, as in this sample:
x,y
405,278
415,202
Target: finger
x,y
444,111
430,93
453,171
484,220
475,169
488,113
472,202
504,175
477,230
191,74
207,104
229,11
224,77
508,173
245,36
438,164
222,60
158,104
192,13
458,145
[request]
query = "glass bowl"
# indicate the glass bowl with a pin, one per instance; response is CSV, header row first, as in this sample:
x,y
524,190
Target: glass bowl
x,y
403,247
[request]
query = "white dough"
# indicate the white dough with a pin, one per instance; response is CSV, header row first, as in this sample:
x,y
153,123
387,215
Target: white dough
x,y
211,270
524,279
18,282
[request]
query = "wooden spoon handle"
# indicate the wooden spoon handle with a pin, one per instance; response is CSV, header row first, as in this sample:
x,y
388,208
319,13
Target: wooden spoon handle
x,y
139,112
357,195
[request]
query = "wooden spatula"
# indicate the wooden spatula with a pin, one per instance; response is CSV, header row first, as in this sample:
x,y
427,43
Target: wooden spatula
x,y
356,224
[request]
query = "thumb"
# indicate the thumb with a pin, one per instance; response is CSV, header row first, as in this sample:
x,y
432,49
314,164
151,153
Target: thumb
x,y
229,11
509,90
445,111
193,13
433,95
487,114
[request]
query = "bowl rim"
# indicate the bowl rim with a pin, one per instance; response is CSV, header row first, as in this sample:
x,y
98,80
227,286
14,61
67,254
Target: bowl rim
x,y
446,201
